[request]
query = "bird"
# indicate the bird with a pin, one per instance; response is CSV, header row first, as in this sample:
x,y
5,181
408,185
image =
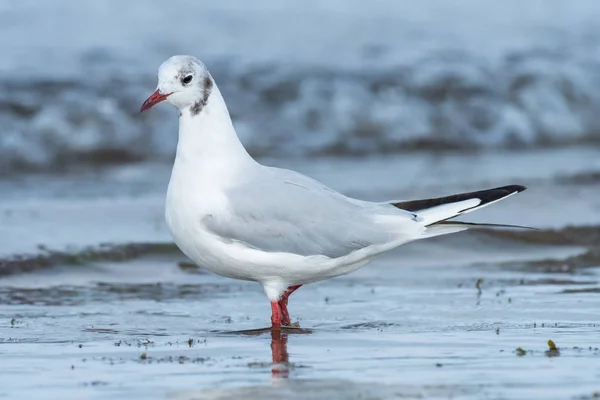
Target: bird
x,y
243,220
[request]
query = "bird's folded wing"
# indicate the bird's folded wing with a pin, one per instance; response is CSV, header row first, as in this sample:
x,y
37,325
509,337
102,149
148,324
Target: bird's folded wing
x,y
288,212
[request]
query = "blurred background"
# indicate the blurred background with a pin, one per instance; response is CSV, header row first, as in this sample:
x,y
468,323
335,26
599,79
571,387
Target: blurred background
x,y
380,100
389,99
333,78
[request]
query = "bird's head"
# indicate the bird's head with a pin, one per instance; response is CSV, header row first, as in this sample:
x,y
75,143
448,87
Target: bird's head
x,y
184,82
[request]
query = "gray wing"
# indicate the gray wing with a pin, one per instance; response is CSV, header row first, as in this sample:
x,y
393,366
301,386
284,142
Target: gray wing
x,y
278,210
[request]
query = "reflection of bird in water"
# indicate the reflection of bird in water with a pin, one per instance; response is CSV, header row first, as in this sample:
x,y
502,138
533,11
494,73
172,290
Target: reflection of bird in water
x,y
279,337
280,368
281,361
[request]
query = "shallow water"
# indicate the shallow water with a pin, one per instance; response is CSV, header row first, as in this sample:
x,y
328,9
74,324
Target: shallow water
x,y
96,303
146,329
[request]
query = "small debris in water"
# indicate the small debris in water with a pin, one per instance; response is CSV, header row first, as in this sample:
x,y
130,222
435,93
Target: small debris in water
x,y
172,359
553,351
520,352
186,265
96,383
478,285
439,365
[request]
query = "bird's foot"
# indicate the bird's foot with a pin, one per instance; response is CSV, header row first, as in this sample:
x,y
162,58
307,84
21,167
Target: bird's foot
x,y
283,302
285,315
279,312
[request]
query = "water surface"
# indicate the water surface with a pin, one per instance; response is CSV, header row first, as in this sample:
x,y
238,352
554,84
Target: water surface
x,y
96,302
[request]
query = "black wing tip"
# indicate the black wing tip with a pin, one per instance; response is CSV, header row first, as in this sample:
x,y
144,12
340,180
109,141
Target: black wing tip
x,y
514,188
485,196
495,194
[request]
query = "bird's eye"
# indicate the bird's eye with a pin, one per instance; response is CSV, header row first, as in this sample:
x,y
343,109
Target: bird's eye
x,y
187,79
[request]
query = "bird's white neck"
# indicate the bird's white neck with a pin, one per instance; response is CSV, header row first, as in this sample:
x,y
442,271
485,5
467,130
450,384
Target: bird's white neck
x,y
208,141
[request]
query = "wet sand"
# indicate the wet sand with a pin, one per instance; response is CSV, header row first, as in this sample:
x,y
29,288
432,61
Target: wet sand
x,y
462,316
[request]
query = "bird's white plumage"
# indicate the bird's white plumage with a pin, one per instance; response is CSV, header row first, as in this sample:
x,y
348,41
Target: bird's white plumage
x,y
247,221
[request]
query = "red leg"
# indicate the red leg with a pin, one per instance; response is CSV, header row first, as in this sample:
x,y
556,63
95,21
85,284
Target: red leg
x,y
276,315
285,320
285,315
291,290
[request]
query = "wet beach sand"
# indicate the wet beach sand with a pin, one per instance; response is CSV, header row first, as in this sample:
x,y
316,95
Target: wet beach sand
x,y
96,302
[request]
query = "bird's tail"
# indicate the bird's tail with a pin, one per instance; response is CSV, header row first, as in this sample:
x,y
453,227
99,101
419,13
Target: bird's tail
x,y
435,213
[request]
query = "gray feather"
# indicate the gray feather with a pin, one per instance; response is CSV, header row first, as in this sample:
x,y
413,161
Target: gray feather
x,y
289,212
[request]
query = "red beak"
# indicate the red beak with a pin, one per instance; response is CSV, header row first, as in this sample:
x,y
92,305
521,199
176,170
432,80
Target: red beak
x,y
153,100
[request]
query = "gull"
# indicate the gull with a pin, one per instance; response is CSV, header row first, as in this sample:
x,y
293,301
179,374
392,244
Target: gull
x,y
243,220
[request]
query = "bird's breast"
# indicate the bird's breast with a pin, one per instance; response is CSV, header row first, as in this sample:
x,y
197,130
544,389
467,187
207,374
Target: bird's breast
x,y
185,213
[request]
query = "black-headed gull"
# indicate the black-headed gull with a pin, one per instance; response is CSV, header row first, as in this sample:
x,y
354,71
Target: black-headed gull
x,y
244,220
